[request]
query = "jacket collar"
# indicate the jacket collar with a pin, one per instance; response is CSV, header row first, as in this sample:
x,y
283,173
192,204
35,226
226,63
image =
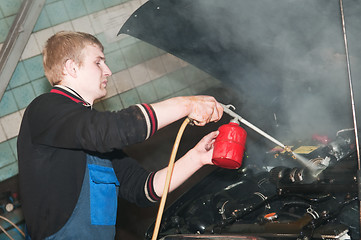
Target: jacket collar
x,y
70,93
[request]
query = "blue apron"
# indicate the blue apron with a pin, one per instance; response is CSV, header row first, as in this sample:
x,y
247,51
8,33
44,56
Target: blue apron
x,y
94,216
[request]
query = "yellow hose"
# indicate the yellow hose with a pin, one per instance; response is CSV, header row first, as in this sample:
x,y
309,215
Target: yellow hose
x,y
13,224
168,178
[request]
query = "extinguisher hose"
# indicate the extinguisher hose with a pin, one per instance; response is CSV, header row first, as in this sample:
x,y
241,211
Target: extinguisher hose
x,y
168,178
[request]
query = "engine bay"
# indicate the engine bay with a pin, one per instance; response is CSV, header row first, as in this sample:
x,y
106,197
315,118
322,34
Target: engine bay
x,y
276,200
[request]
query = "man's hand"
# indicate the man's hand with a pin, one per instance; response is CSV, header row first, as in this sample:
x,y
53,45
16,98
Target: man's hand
x,y
203,151
200,109
187,165
204,109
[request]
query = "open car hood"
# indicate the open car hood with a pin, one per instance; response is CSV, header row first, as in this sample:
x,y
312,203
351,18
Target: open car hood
x,y
284,62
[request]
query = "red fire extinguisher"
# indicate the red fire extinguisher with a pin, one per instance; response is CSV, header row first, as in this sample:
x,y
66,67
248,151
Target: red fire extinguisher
x,y
229,146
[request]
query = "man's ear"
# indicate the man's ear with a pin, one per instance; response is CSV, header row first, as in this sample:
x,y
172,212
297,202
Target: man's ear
x,y
70,68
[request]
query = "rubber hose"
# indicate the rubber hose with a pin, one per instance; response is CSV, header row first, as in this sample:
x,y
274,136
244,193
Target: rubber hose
x,y
168,178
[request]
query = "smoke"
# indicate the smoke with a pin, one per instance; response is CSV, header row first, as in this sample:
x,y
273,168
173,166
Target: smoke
x,y
286,58
282,62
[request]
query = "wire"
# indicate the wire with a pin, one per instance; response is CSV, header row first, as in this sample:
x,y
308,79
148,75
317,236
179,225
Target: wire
x,y
13,224
350,84
168,178
352,106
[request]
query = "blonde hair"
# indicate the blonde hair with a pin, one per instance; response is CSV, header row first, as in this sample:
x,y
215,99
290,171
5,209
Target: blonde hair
x,y
61,47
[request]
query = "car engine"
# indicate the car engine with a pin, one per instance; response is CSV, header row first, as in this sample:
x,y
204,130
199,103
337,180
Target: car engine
x,y
275,200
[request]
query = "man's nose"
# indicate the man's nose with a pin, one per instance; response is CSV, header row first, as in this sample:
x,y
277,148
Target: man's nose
x,y
107,72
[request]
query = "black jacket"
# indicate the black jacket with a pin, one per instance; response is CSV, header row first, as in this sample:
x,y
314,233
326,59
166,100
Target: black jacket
x,y
57,131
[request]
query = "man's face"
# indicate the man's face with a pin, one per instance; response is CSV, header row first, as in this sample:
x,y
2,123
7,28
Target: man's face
x,y
93,74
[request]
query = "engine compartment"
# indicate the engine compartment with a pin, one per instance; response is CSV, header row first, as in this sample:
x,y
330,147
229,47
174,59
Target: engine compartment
x,y
275,200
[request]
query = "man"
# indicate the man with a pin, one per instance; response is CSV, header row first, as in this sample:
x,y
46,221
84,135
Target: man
x,y
71,167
